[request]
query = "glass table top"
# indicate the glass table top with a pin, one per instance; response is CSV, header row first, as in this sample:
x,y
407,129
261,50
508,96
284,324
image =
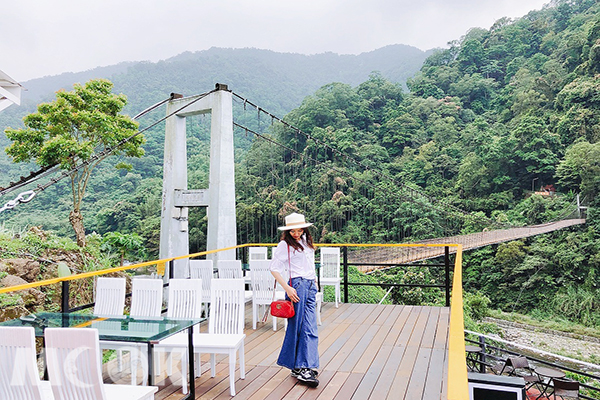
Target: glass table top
x,y
109,328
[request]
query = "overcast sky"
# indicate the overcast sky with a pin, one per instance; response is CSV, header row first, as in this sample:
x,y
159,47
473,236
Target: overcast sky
x,y
49,37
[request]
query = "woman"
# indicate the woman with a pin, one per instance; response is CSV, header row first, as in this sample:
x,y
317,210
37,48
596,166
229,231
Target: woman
x,y
295,255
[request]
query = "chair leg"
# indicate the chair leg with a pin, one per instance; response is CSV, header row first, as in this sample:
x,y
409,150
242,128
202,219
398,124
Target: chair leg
x,y
120,360
144,360
232,372
169,363
319,322
254,315
184,372
133,361
136,359
338,297
157,364
198,364
242,362
213,364
274,323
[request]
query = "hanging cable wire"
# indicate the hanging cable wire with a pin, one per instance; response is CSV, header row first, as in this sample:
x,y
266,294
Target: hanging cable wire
x,y
42,172
411,190
106,152
346,173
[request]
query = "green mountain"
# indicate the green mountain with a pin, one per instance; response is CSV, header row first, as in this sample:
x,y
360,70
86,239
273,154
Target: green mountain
x,y
277,82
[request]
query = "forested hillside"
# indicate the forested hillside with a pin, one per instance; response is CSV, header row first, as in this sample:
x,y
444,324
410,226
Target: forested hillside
x,y
500,112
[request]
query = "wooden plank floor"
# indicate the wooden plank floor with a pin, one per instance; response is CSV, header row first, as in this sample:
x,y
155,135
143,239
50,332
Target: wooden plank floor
x,y
367,351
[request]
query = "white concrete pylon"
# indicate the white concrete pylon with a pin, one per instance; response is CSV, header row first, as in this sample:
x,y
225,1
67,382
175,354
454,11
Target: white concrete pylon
x,y
219,197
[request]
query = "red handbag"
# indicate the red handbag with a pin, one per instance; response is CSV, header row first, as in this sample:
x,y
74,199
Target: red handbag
x,y
283,308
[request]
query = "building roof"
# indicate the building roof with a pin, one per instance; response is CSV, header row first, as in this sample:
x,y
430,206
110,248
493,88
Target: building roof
x,y
10,91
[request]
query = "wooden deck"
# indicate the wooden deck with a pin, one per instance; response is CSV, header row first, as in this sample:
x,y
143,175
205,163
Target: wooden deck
x,y
367,351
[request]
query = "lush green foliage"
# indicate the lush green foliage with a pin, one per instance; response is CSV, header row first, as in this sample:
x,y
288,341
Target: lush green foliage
x,y
126,245
73,129
552,276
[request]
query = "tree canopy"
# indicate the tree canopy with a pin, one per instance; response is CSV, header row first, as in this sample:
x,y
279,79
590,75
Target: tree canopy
x,y
70,131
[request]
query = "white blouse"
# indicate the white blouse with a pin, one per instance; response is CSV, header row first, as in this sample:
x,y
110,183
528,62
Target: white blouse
x,y
302,263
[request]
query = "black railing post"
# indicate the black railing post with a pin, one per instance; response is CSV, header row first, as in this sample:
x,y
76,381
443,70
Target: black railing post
x,y
482,359
345,252
171,264
64,297
447,267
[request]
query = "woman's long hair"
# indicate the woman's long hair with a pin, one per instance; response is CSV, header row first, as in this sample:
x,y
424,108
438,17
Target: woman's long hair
x,y
287,237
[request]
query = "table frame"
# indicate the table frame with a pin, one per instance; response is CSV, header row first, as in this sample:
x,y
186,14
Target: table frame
x,y
545,372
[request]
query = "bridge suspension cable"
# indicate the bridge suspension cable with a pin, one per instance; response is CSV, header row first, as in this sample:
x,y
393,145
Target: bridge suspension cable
x,y
435,202
34,176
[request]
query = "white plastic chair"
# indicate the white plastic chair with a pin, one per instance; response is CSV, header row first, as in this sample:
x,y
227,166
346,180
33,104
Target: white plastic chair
x,y
75,368
263,284
225,328
229,269
203,269
110,297
185,302
329,272
146,302
19,376
257,253
232,269
110,302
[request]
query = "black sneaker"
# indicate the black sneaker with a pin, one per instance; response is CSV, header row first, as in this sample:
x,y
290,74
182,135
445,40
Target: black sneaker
x,y
296,372
307,376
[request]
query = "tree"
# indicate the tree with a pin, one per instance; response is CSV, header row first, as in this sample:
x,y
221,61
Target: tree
x,y
125,244
70,130
580,168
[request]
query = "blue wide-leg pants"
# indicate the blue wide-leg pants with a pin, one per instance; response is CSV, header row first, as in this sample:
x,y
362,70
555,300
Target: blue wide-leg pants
x,y
300,347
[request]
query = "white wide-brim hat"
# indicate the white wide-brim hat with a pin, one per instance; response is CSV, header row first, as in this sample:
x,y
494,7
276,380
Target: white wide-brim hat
x,y
294,221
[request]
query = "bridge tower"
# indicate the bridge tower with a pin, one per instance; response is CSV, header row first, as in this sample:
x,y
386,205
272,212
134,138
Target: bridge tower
x,y
219,197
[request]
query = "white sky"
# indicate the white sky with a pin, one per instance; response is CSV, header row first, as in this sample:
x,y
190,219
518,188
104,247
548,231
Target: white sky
x,y
49,37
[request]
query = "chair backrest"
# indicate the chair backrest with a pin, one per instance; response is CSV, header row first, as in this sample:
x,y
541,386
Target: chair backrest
x,y
146,298
74,363
518,362
19,376
110,297
203,269
185,299
262,281
564,387
229,269
226,307
257,253
330,262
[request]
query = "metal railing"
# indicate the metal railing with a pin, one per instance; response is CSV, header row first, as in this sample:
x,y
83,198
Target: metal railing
x,y
494,352
446,285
